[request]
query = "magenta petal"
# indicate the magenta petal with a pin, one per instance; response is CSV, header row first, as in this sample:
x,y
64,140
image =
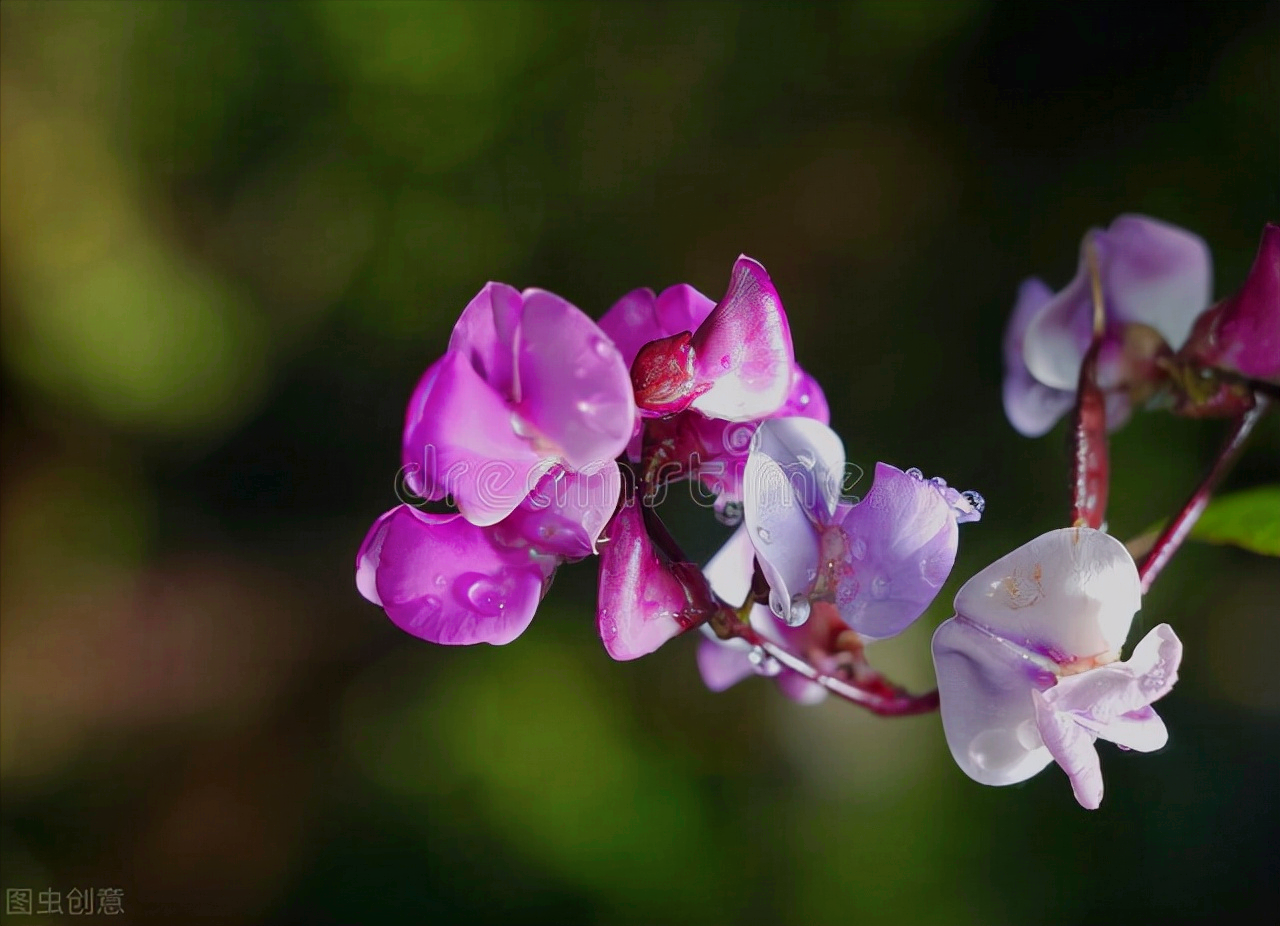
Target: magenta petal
x,y
641,603
369,556
1033,408
632,322
901,544
681,308
445,580
485,334
743,349
723,663
1072,748
574,387
565,513
806,399
458,441
1242,333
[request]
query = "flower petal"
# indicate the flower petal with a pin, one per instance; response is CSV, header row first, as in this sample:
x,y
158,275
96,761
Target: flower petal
x,y
743,349
485,333
574,388
565,513
1067,594
458,440
787,486
731,569
723,663
1072,748
445,580
899,546
632,322
642,603
985,686
1032,407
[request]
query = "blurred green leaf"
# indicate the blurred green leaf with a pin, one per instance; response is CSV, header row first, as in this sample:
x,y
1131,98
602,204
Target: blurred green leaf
x,y
1249,519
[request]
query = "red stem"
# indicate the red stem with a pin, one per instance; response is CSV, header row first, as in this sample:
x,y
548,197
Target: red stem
x,y
1177,530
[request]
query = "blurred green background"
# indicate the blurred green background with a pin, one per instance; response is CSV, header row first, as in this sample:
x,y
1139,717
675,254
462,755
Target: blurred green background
x,y
234,234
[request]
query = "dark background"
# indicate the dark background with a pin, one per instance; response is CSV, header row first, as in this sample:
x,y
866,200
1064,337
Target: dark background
x,y
235,234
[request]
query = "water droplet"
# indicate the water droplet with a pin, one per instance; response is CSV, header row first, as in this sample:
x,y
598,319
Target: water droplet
x,y
763,663
977,501
482,594
776,604
764,535
915,473
730,513
1028,735
939,482
601,346
858,547
428,610
799,611
880,586
441,580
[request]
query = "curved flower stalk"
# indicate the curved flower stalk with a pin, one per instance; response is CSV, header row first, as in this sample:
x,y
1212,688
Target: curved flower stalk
x,y
528,383
1029,671
1154,280
880,561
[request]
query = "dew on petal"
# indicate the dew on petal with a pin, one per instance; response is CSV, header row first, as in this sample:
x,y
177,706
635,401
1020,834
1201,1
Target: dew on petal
x,y
729,513
799,611
915,473
762,663
481,593
858,548
939,482
977,501
764,535
880,587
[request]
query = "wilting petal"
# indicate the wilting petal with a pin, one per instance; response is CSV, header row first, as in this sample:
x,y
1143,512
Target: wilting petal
x,y
485,334
899,546
1033,408
743,349
642,603
445,580
458,441
985,686
1242,332
1067,594
1152,273
723,663
572,384
565,513
781,499
1072,748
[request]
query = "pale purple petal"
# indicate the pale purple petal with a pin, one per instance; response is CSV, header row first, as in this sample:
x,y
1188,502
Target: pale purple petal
x,y
799,689
723,663
731,569
899,544
782,497
486,332
565,513
458,441
1072,748
1152,273
573,385
1068,594
985,686
369,556
445,580
743,349
1033,408
641,603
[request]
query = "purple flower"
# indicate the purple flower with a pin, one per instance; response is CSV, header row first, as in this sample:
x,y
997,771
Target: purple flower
x,y
444,579
880,561
528,382
644,599
1027,668
1156,279
1242,333
732,361
707,441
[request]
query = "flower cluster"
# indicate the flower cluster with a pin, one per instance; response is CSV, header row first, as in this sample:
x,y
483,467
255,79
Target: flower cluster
x,y
542,437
